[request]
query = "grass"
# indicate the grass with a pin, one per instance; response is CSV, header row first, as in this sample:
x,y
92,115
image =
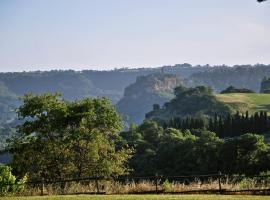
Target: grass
x,y
253,102
114,188
142,197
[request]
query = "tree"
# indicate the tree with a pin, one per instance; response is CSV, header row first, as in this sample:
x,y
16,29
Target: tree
x,y
60,139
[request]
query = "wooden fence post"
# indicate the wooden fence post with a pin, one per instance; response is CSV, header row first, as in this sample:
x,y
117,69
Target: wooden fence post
x,y
219,181
97,185
156,182
42,186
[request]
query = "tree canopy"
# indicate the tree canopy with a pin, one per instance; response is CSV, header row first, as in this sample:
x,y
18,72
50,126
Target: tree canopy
x,y
60,139
171,151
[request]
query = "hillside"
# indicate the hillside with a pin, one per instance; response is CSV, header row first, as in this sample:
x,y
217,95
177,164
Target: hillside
x,y
147,90
253,102
239,76
198,101
112,84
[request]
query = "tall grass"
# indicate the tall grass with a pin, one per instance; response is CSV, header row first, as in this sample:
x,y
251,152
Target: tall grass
x,y
143,186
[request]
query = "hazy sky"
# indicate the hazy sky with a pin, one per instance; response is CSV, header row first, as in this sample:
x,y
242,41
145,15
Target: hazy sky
x,y
104,34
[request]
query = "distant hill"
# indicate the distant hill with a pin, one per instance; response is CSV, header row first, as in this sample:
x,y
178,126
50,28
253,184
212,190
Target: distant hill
x,y
111,84
198,101
8,102
242,102
242,76
140,96
78,84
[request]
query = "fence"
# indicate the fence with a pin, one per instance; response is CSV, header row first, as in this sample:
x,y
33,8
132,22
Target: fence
x,y
216,183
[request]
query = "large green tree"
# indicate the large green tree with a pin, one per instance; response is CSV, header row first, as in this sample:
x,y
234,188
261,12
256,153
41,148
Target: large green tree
x,y
60,139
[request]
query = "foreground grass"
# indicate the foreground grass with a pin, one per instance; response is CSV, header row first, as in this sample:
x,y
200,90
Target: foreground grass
x,y
253,102
142,197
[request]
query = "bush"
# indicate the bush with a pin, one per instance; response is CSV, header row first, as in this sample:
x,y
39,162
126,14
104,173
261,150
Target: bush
x,y
247,183
8,183
167,186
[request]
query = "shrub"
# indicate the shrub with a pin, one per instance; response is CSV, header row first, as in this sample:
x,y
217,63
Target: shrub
x,y
8,183
167,186
247,183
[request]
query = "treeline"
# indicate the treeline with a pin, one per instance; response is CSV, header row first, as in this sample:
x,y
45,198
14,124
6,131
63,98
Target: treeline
x,y
232,89
245,76
229,126
170,151
58,139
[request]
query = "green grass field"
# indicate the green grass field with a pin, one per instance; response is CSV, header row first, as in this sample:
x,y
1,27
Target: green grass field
x,y
142,197
253,102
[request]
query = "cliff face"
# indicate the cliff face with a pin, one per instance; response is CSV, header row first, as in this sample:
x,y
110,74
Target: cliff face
x,y
140,96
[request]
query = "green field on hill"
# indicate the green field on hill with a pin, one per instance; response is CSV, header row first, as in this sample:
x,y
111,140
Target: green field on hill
x,y
143,197
253,102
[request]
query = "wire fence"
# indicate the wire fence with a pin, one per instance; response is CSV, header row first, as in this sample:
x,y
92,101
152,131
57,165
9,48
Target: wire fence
x,y
216,183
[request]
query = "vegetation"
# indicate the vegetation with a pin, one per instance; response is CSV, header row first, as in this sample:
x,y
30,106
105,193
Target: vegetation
x,y
242,102
170,151
60,140
245,76
196,101
8,183
232,89
75,85
196,131
144,197
228,126
265,85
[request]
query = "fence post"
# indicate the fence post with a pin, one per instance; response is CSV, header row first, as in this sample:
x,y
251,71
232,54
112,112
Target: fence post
x,y
97,185
156,182
219,181
42,186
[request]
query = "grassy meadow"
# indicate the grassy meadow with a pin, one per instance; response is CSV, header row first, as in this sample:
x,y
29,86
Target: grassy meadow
x,y
253,102
142,197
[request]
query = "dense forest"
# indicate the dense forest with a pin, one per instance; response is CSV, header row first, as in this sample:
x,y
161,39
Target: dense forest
x,y
171,151
231,125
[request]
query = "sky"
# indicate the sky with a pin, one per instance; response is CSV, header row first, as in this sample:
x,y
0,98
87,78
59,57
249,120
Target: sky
x,y
108,34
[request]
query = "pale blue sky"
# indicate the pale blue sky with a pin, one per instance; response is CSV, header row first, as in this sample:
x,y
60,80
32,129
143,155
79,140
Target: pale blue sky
x,y
104,34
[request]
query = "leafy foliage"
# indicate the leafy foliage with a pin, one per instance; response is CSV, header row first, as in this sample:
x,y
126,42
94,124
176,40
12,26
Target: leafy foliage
x,y
60,139
8,182
171,151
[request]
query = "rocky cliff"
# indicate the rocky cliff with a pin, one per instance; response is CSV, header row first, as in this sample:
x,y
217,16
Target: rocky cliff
x,y
140,96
